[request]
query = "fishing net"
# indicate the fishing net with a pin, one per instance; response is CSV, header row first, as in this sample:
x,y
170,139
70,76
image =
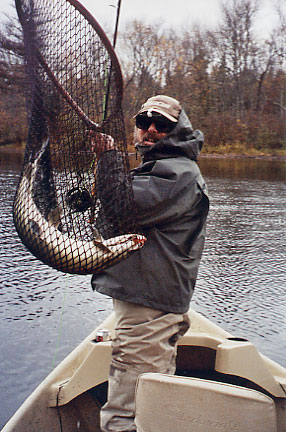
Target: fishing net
x,y
73,207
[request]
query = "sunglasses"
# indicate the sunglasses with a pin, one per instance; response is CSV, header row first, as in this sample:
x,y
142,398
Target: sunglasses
x,y
162,124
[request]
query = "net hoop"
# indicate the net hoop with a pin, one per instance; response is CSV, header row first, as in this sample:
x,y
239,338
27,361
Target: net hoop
x,y
114,64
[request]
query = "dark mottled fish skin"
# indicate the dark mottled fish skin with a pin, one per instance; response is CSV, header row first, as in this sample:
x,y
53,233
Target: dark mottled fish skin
x,y
43,190
39,233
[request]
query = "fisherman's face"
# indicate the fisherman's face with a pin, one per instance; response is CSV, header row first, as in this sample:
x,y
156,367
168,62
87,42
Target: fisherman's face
x,y
149,130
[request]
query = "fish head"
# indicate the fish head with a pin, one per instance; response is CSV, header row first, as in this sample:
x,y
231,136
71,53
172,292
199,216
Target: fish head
x,y
129,242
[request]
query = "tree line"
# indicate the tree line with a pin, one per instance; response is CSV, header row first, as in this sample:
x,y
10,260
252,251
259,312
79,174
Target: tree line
x,y
231,83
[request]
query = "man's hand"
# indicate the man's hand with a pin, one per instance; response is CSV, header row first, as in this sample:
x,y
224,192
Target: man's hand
x,y
101,142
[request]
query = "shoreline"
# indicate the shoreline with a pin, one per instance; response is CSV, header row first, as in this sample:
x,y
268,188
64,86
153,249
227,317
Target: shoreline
x,y
11,148
242,156
235,156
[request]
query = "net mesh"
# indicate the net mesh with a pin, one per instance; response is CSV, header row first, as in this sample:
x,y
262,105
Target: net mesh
x,y
73,210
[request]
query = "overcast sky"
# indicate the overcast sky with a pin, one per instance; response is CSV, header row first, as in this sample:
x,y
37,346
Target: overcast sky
x,y
171,12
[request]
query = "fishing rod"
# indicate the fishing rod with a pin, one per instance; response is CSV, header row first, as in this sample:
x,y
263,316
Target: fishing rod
x,y
110,71
116,23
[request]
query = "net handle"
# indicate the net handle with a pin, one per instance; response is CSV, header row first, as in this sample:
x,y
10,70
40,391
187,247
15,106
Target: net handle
x,y
115,66
106,42
87,121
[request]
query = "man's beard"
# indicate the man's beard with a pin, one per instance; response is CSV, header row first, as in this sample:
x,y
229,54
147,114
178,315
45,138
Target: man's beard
x,y
147,136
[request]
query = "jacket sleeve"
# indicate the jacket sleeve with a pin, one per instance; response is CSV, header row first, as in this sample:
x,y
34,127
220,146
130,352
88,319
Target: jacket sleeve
x,y
115,195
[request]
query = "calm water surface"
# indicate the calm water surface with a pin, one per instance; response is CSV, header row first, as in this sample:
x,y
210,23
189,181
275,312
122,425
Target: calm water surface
x,y
44,314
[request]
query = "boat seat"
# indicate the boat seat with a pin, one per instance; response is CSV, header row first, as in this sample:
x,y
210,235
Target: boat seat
x,y
232,356
180,404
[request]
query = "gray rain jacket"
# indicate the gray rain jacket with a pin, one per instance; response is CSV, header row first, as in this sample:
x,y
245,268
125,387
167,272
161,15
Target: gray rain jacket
x,y
172,205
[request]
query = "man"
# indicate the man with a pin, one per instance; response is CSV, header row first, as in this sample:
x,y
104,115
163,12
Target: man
x,y
151,290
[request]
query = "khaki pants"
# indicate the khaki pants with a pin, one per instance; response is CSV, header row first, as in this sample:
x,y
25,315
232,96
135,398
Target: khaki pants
x,y
145,341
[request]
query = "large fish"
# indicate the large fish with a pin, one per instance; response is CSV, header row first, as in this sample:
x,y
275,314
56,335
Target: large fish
x,y
38,226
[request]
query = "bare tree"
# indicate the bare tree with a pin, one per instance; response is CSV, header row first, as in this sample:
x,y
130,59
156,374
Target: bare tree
x,y
188,78
144,52
279,42
12,98
235,50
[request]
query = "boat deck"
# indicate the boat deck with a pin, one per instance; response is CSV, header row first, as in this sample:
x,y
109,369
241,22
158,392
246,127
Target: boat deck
x,y
82,413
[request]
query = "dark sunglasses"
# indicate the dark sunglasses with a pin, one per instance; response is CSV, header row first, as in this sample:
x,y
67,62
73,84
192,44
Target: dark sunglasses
x,y
161,123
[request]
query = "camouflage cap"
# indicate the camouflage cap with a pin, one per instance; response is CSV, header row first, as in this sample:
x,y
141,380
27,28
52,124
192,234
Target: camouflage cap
x,y
165,105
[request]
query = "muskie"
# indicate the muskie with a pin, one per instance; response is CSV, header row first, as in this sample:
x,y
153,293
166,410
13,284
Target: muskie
x,y
39,231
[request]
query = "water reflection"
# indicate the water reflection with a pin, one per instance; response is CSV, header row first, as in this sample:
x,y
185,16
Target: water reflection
x,y
244,168
11,158
241,283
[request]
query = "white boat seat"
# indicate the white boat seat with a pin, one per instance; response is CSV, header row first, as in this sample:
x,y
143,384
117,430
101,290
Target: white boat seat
x,y
168,403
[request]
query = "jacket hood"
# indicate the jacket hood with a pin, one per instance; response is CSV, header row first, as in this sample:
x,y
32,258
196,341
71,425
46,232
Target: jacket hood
x,y
182,140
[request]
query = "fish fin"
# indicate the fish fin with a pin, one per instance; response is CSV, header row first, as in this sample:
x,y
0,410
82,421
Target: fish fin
x,y
96,234
101,246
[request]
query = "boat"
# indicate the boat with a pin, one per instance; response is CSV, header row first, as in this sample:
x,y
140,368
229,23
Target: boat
x,y
222,384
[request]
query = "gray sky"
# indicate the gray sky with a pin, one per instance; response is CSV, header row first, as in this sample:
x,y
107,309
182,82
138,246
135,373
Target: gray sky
x,y
171,12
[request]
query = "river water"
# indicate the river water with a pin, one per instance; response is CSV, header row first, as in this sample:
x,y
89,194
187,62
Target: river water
x,y
241,285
